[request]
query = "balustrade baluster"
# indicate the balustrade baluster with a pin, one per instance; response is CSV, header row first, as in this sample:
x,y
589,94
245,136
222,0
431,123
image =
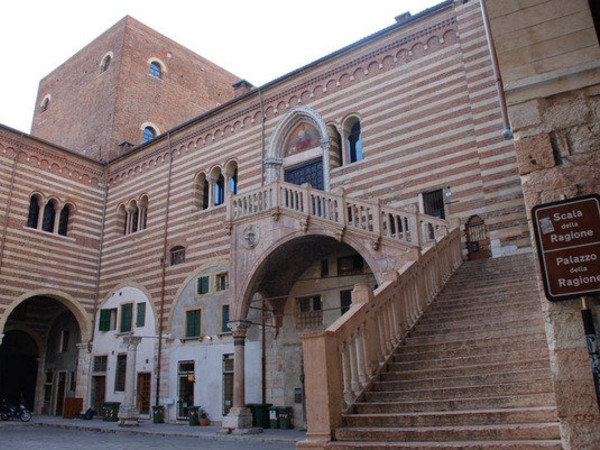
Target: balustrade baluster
x,y
363,372
346,376
354,384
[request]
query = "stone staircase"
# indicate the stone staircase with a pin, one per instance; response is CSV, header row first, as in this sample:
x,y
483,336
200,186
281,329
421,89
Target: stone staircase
x,y
473,373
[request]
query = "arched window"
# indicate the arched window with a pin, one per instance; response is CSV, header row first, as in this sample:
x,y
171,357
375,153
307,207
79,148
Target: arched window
x,y
143,213
133,217
177,255
220,190
233,182
155,69
355,143
34,212
45,103
205,194
63,220
105,63
49,216
149,134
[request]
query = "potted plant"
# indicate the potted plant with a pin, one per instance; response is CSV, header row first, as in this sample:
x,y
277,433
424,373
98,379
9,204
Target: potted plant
x,y
203,418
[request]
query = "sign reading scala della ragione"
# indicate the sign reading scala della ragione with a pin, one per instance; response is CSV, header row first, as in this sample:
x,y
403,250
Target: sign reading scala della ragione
x,y
567,234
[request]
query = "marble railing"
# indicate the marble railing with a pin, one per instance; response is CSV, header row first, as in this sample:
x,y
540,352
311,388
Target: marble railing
x,y
341,361
343,211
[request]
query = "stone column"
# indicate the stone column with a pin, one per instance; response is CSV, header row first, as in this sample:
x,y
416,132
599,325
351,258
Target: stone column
x,y
84,372
128,411
239,416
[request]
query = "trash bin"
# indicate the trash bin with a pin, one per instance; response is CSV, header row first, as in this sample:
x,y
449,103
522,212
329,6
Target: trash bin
x,y
273,417
285,417
260,414
193,415
158,414
110,411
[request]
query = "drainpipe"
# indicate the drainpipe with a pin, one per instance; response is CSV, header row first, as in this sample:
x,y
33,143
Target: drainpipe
x,y
99,263
163,275
262,138
506,132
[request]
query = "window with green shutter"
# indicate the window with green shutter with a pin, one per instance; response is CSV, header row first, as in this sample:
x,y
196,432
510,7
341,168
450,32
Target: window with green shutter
x,y
193,323
202,285
107,320
140,315
126,317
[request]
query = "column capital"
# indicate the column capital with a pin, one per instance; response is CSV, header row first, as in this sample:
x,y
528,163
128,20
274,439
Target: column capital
x,y
132,342
239,328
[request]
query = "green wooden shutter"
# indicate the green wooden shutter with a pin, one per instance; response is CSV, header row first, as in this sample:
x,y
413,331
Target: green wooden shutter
x,y
192,323
104,322
126,316
140,317
202,285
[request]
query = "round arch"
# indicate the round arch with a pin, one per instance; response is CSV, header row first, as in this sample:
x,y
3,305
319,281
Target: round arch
x,y
82,317
142,289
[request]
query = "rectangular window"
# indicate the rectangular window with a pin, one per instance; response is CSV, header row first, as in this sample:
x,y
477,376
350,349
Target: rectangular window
x,y
345,300
225,319
64,341
350,265
433,203
126,317
227,383
140,315
193,323
222,282
309,312
203,285
108,319
73,382
324,268
100,363
120,372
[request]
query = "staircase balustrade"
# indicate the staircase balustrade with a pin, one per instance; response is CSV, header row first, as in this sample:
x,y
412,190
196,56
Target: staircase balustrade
x,y
341,361
343,211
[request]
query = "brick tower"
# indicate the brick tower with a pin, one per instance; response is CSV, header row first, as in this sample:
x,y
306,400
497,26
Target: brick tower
x,y
128,85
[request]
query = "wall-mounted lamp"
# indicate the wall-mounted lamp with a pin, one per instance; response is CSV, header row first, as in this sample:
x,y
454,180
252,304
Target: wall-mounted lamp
x,y
191,379
208,338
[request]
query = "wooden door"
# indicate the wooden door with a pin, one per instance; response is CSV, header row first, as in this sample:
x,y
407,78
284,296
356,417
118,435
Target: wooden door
x,y
144,383
98,394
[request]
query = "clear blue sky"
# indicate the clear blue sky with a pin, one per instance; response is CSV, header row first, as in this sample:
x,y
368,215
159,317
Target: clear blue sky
x,y
259,40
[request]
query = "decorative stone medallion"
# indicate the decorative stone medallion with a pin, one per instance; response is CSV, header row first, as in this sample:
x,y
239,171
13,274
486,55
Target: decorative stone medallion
x,y
250,236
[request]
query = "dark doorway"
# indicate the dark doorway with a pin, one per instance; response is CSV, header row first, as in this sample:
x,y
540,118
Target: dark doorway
x,y
18,367
478,242
98,393
310,172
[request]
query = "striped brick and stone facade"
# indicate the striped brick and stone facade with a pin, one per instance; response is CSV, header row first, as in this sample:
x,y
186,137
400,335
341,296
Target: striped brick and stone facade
x,y
424,94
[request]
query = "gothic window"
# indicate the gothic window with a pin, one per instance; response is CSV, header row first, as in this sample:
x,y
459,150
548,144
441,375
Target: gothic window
x,y
45,103
34,211
49,216
63,221
233,182
355,143
105,64
220,190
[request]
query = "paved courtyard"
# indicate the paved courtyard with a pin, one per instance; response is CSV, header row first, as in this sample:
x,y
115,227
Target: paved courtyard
x,y
44,433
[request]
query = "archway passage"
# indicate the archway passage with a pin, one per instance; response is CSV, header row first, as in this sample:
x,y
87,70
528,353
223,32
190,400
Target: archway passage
x,y
18,367
38,355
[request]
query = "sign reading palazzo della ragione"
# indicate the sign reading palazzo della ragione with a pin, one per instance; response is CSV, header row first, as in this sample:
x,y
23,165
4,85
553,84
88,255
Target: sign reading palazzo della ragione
x,y
567,235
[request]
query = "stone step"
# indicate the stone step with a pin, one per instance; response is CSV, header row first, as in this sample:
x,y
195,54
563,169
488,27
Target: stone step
x,y
467,348
484,390
456,404
449,445
540,375
466,370
448,418
500,323
462,335
523,354
479,311
520,431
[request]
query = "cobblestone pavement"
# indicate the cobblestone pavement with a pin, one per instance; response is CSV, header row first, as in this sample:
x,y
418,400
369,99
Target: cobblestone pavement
x,y
47,433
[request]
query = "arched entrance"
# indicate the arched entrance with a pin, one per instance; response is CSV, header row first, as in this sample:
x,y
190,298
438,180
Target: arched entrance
x,y
18,367
478,242
39,354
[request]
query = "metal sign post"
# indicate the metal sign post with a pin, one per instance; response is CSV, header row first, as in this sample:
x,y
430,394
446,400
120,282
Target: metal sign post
x,y
567,235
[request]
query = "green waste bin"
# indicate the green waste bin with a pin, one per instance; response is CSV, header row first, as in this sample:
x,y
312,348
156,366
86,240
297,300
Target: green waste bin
x,y
273,417
285,417
193,415
260,414
110,411
158,414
